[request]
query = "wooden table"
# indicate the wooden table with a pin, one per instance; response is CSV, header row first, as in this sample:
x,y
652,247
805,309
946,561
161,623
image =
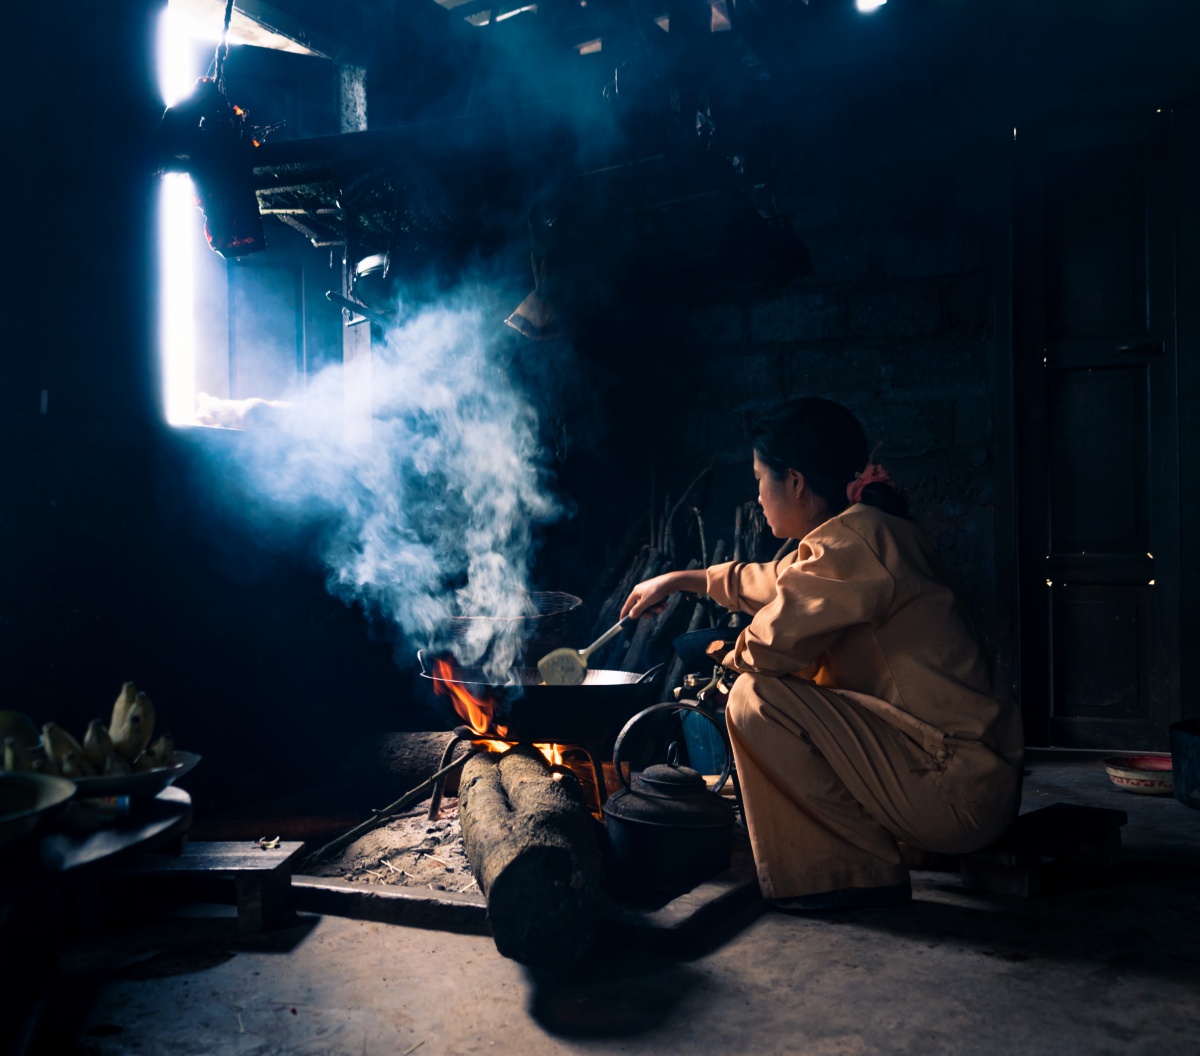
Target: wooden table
x,y
260,877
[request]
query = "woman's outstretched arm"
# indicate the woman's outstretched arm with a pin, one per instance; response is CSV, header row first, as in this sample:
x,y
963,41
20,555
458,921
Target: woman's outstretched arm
x,y
650,594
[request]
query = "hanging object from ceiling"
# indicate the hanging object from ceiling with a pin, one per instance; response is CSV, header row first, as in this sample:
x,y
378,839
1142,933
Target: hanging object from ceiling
x,y
207,136
535,316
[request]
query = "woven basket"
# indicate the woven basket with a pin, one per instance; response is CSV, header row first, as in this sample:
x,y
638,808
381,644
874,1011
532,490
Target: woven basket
x,y
549,623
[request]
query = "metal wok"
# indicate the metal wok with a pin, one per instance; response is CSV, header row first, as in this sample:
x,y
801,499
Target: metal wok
x,y
590,714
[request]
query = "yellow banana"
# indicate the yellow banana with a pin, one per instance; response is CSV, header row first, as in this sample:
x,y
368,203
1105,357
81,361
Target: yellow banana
x,y
132,731
121,708
60,745
97,744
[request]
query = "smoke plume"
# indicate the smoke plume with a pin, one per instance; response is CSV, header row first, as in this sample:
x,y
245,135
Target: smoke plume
x,y
431,502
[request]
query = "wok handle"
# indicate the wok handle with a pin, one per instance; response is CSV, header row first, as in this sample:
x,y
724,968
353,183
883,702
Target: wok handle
x,y
725,770
424,658
649,676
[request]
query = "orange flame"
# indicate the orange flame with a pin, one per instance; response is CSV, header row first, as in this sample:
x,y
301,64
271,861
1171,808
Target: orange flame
x,y
480,713
475,711
552,752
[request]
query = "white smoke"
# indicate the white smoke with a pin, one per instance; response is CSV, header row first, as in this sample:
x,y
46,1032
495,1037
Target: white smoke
x,y
431,511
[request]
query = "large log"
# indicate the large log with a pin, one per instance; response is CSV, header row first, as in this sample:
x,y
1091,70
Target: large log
x,y
532,846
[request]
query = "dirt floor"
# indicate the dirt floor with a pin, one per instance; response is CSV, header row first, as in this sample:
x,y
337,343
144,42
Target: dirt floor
x,y
1106,963
411,851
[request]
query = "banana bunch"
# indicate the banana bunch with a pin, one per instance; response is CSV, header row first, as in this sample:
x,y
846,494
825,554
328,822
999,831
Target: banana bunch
x,y
122,747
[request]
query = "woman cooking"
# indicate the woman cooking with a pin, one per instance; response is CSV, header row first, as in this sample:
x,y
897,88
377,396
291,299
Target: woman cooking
x,y
863,716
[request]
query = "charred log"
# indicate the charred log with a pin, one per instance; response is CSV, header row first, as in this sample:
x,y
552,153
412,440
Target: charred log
x,y
532,846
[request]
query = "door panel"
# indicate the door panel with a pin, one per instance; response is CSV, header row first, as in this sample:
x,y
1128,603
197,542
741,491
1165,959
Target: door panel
x,y
1088,514
1094,338
1099,636
1095,241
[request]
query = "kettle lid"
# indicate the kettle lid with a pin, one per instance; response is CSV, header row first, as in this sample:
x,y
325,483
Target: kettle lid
x,y
670,778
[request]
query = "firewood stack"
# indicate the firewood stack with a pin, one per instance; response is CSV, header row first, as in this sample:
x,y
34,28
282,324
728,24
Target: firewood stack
x,y
533,848
679,525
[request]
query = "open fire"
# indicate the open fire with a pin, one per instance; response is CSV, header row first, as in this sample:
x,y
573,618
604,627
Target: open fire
x,y
479,713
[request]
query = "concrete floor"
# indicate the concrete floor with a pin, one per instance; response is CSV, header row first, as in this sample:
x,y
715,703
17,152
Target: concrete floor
x,y
1112,968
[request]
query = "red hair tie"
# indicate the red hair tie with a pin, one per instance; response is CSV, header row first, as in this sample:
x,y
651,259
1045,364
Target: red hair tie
x,y
872,473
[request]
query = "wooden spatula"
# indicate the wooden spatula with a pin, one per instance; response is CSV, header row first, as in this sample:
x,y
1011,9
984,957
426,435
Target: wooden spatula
x,y
566,667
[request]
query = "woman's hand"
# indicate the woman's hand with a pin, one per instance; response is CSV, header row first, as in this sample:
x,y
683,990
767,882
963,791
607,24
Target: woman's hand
x,y
651,594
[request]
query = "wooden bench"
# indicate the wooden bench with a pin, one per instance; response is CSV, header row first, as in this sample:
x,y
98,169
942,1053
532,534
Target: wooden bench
x,y
262,879
1062,832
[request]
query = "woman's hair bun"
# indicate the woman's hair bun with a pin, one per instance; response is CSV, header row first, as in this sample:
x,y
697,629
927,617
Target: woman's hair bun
x,y
826,442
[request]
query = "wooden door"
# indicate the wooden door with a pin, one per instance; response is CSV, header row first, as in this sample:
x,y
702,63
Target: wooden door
x,y
1097,432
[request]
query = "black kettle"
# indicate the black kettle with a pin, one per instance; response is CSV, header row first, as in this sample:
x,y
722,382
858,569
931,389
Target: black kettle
x,y
667,832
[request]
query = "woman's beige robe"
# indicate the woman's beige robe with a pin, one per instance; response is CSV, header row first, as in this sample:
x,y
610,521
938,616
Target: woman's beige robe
x,y
864,714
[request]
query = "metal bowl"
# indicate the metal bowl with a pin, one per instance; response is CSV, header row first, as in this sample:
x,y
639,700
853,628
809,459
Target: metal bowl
x,y
26,800
1147,775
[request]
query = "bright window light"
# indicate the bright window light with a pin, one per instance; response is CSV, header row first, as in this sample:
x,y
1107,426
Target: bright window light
x,y
177,345
178,230
176,66
867,6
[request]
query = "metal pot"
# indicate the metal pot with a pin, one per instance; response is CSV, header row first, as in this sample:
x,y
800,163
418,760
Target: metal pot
x,y
666,831
590,714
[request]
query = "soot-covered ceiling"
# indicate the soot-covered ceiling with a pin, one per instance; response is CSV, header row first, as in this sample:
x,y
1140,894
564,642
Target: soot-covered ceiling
x,y
626,140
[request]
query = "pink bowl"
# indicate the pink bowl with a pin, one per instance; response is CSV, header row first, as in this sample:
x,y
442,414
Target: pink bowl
x,y
1147,775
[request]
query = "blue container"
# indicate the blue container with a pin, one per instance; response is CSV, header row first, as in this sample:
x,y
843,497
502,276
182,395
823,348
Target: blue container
x,y
1185,761
705,749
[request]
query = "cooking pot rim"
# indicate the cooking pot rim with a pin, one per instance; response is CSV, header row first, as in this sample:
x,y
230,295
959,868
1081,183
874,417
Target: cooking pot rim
x,y
531,678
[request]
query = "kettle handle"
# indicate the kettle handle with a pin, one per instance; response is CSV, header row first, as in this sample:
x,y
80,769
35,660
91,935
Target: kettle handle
x,y
673,707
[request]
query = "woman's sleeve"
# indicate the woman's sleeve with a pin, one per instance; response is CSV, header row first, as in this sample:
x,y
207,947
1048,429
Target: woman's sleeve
x,y
838,582
743,586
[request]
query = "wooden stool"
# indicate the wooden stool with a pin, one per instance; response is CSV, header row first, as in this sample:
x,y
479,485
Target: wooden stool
x,y
262,878
1062,832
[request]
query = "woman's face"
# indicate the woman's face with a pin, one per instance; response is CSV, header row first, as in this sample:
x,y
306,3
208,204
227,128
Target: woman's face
x,y
781,505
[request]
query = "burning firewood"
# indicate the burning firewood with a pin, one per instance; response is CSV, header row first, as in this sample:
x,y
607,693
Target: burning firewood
x,y
532,845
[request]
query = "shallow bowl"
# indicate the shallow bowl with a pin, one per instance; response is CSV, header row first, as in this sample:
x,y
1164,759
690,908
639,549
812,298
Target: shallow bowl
x,y
143,784
26,800
1147,775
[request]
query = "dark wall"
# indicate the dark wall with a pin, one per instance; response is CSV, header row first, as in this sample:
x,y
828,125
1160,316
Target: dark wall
x,y
1188,263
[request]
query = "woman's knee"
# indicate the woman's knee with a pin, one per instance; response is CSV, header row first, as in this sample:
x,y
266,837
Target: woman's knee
x,y
745,699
